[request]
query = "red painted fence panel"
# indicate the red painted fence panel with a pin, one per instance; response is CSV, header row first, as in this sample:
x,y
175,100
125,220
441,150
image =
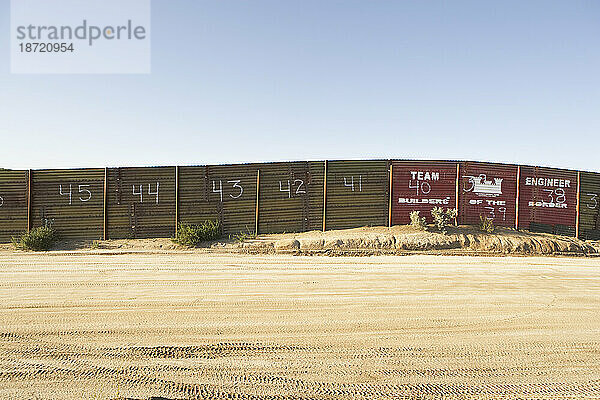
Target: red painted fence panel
x,y
421,186
488,190
548,200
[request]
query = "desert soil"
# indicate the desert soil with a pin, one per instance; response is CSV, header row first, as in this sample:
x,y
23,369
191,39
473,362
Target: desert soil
x,y
275,326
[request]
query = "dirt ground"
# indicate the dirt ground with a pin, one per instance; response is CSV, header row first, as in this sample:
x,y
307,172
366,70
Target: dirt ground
x,y
274,326
373,240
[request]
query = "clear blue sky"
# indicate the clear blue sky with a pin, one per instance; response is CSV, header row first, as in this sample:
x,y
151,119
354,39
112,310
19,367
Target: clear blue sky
x,y
237,81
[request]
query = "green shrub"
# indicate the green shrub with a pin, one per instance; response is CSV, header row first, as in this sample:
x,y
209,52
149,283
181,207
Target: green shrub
x,y
193,235
442,218
486,224
416,221
37,239
243,236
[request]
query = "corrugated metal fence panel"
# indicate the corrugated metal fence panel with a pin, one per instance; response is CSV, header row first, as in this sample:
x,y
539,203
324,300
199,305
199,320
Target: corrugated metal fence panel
x,y
490,190
357,193
13,204
71,200
589,206
291,197
548,200
226,193
421,186
141,202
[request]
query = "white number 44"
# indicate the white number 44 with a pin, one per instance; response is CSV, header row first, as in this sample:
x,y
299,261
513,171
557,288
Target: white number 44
x,y
150,192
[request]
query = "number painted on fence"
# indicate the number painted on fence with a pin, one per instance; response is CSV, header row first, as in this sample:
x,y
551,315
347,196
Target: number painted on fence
x,y
220,191
560,195
1,201
351,185
300,189
288,190
89,194
593,199
70,193
140,193
150,192
154,193
492,212
298,183
420,186
235,184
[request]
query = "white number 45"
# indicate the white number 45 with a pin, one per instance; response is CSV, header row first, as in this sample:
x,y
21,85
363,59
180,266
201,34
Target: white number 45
x,y
81,189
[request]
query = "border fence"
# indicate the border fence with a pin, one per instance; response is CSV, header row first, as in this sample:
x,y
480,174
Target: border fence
x,y
148,202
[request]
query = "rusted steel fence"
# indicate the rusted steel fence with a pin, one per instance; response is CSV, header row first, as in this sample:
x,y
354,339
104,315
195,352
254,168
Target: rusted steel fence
x,y
488,190
589,206
548,200
13,203
422,186
71,201
140,202
226,193
147,202
291,197
357,194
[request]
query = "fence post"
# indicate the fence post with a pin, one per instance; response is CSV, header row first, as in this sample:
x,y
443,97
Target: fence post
x,y
390,187
29,182
257,202
176,200
457,193
578,200
105,205
517,199
325,197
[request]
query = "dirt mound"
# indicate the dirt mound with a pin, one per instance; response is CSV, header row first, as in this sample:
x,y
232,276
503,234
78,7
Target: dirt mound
x,y
358,241
406,239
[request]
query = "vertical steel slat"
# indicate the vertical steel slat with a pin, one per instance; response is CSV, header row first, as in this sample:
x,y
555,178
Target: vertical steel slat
x,y
29,173
257,202
105,206
176,200
457,185
517,197
589,208
325,197
391,190
13,203
577,206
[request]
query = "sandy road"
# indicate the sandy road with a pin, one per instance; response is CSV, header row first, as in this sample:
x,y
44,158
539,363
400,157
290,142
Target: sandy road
x,y
230,326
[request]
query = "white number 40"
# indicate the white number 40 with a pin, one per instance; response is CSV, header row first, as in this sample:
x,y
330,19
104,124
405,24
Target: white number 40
x,y
81,190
